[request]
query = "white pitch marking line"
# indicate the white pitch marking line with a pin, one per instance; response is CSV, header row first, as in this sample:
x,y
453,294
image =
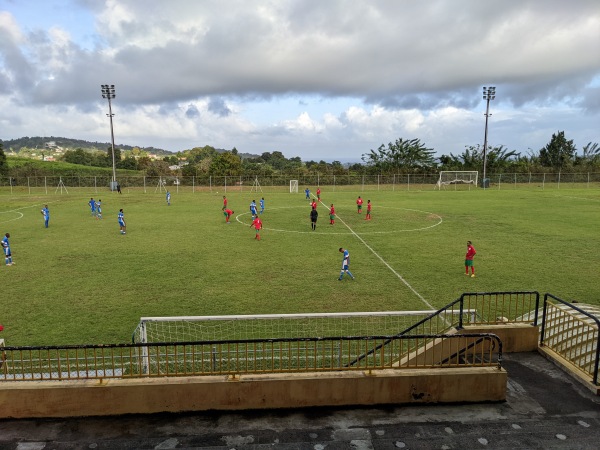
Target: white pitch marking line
x,y
384,262
21,214
580,198
12,220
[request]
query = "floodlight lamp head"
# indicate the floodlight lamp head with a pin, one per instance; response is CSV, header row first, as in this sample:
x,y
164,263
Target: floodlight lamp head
x,y
108,91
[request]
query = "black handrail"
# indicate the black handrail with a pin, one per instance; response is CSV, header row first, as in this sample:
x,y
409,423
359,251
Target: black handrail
x,y
460,326
494,340
536,293
477,342
404,332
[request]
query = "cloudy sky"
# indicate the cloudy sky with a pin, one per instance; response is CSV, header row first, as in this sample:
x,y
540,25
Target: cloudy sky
x,y
311,78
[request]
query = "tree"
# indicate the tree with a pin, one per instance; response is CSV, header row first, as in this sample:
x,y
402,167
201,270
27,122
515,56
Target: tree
x,y
171,160
78,156
500,159
189,170
591,155
128,163
99,159
143,162
198,154
558,153
338,168
117,155
226,163
357,167
410,155
3,163
157,169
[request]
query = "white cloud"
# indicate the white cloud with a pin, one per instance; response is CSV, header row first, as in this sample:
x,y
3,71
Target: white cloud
x,y
303,76
9,27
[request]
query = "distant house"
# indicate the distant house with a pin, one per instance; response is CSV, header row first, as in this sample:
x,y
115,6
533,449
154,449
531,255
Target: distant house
x,y
52,146
179,166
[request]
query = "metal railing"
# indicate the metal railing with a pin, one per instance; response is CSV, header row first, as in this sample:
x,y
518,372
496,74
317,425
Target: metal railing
x,y
242,357
572,333
51,184
473,308
498,307
269,355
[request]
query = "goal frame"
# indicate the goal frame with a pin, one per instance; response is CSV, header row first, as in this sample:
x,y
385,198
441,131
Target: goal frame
x,y
190,329
140,334
293,186
472,178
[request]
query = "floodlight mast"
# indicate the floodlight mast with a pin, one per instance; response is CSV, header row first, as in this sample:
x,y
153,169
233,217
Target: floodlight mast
x,y
489,93
108,92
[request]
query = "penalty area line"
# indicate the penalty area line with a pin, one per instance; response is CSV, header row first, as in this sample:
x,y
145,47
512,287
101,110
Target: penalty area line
x,y
385,263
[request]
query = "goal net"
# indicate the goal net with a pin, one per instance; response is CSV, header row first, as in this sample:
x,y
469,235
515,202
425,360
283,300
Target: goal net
x,y
209,336
456,177
273,326
293,186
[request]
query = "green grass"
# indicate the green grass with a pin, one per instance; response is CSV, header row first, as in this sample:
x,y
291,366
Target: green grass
x,y
80,281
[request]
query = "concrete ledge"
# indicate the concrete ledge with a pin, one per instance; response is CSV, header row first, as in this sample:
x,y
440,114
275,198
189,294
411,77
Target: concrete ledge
x,y
515,337
29,399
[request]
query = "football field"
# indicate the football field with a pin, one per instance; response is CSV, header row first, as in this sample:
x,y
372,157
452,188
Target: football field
x,y
81,282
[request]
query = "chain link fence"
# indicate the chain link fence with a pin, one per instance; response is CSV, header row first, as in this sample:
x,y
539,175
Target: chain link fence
x,y
281,183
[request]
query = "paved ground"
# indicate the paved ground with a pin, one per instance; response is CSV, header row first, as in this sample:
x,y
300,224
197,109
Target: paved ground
x,y
545,410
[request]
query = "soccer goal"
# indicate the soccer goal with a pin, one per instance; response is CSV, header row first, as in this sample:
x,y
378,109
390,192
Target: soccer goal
x,y
273,326
293,186
248,331
457,177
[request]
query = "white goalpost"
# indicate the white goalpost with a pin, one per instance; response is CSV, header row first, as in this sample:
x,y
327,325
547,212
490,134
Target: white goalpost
x,y
272,326
217,330
293,186
457,177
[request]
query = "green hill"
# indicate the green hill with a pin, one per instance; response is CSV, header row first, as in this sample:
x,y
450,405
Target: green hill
x,y
38,142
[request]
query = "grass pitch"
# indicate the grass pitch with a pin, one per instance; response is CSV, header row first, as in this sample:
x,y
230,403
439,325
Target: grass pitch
x,y
80,281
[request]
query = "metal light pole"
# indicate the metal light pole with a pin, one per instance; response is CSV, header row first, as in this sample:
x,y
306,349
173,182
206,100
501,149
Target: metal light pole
x,y
108,92
489,93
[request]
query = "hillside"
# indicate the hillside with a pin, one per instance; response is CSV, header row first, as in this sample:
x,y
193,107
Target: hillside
x,y
39,142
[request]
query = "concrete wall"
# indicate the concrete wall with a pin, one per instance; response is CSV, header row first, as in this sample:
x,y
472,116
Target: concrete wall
x,y
23,399
515,337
